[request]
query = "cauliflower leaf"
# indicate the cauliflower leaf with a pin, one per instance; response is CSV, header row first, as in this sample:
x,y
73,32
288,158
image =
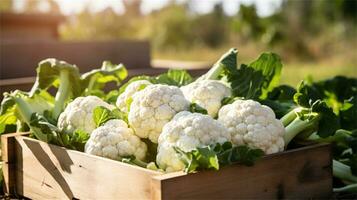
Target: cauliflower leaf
x,y
218,155
102,114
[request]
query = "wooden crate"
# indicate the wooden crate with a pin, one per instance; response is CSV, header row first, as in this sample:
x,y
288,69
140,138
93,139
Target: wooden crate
x,y
37,170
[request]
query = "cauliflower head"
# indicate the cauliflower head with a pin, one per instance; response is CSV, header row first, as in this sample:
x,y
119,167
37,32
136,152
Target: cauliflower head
x,y
187,131
153,107
130,90
115,140
79,114
207,94
253,124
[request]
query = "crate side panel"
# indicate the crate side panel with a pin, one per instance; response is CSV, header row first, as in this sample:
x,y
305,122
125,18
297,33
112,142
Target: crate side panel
x,y
299,174
47,171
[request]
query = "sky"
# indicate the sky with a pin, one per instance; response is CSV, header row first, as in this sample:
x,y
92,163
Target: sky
x,y
264,7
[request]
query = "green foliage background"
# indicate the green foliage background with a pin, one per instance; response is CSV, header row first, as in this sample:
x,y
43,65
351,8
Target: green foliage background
x,y
314,37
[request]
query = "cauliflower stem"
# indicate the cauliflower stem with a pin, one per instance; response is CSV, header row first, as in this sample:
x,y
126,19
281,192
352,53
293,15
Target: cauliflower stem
x,y
135,161
62,94
343,172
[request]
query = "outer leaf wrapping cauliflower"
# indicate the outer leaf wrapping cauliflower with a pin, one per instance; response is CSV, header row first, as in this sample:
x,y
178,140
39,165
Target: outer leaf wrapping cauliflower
x,y
115,140
153,107
187,131
253,124
130,90
207,94
79,114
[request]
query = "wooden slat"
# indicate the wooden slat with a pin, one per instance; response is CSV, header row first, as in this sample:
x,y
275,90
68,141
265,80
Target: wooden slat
x,y
298,174
20,58
9,161
46,171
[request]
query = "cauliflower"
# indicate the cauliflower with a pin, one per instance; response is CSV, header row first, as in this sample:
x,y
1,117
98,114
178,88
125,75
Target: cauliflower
x,y
207,94
253,124
79,114
115,140
153,107
130,90
187,131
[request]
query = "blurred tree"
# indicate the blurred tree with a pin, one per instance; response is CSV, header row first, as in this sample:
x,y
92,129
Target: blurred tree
x,y
6,5
132,7
31,6
250,21
211,29
299,28
171,28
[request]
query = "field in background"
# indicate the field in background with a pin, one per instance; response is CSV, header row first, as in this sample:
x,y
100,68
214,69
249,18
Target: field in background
x,y
293,72
313,37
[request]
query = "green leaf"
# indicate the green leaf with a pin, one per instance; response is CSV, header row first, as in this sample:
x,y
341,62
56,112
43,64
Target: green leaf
x,y
49,72
348,113
328,123
306,95
128,103
282,93
133,161
281,100
151,150
198,159
98,78
118,114
17,107
6,103
7,119
56,73
136,78
280,108
102,114
174,77
245,155
227,64
255,80
195,108
229,154
77,140
112,97
43,130
229,100
270,65
214,156
315,109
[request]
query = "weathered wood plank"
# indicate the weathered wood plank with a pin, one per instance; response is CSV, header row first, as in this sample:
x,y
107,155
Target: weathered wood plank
x,y
44,171
47,171
8,156
303,173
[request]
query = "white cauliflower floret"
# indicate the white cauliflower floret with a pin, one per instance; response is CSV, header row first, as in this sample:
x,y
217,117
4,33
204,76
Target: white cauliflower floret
x,y
253,124
115,140
207,94
130,90
187,131
153,107
79,114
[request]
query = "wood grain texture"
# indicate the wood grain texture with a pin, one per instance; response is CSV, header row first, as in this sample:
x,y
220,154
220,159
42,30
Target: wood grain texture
x,y
303,174
46,171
